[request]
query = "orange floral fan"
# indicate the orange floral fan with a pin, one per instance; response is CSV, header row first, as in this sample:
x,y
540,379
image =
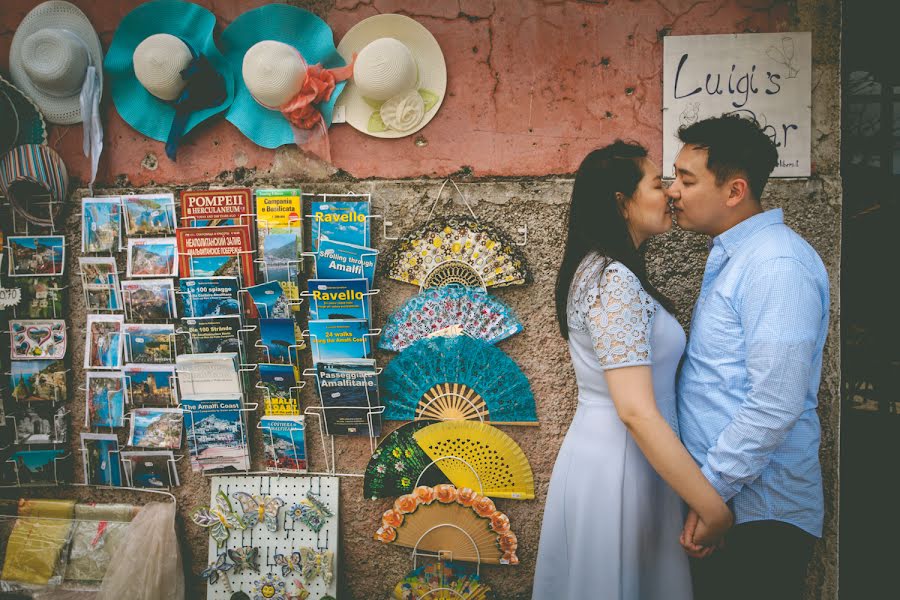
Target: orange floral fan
x,y
444,519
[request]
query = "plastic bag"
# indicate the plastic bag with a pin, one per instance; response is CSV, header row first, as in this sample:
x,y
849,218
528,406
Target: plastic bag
x,y
98,532
147,564
34,552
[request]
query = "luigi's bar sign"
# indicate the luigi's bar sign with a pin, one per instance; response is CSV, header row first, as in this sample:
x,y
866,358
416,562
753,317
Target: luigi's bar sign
x,y
766,76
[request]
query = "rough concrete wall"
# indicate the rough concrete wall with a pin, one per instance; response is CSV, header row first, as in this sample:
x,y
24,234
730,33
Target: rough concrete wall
x,y
483,130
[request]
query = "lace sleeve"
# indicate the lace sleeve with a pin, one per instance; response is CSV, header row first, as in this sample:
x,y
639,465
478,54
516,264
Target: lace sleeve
x,y
618,315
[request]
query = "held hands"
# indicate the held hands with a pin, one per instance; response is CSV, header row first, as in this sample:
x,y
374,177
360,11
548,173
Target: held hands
x,y
700,538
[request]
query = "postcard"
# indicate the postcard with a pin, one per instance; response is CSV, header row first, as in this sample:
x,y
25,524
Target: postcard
x,y
37,467
149,343
209,296
338,339
344,221
213,334
37,339
102,465
216,252
38,380
156,428
152,257
200,374
105,342
101,224
285,443
336,260
41,423
36,255
149,299
104,399
100,278
280,391
270,300
278,336
42,298
338,299
149,214
216,434
154,469
212,208
150,385
348,390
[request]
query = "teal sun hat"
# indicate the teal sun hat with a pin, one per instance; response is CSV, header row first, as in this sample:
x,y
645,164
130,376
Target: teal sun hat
x,y
166,74
309,35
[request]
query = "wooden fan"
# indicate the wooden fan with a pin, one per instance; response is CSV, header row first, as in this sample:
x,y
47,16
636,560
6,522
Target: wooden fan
x,y
441,581
477,455
450,401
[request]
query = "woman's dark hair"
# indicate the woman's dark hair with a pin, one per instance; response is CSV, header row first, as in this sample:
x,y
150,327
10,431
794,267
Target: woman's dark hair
x,y
596,223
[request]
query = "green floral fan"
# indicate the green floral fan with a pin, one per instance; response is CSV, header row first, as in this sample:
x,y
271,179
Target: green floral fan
x,y
397,464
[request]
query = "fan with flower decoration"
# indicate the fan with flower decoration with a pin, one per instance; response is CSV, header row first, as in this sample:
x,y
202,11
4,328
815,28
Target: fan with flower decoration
x,y
397,464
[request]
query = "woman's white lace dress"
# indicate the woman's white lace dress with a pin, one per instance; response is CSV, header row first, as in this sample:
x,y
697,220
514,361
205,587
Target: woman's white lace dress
x,y
611,524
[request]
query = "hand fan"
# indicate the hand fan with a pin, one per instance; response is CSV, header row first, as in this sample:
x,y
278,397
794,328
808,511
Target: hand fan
x,y
445,519
397,463
441,581
459,377
494,463
478,314
457,249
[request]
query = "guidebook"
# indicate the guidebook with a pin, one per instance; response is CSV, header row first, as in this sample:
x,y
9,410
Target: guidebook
x,y
338,299
344,221
336,260
216,252
279,386
216,433
209,296
337,339
279,209
213,334
285,443
213,208
349,393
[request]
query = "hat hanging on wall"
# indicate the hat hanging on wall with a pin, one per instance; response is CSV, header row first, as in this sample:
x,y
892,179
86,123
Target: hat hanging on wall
x,y
167,75
399,79
56,59
34,180
287,77
21,121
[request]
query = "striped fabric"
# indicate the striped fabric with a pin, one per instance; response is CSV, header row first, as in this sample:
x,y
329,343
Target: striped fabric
x,y
42,166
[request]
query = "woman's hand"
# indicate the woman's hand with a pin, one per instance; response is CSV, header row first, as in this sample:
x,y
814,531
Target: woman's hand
x,y
712,528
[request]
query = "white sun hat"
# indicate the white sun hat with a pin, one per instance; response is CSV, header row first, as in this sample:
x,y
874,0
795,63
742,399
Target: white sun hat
x,y
158,63
51,51
399,78
273,72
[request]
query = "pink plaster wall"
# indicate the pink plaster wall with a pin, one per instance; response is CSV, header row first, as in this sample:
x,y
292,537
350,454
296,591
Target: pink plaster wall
x,y
532,86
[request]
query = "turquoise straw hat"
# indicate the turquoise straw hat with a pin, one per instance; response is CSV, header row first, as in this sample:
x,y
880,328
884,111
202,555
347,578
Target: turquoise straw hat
x,y
139,108
306,32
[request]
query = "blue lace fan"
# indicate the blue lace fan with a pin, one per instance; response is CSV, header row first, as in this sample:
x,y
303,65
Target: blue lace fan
x,y
449,308
457,377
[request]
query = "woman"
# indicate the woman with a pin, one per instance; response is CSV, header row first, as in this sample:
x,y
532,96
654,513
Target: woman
x,y
612,519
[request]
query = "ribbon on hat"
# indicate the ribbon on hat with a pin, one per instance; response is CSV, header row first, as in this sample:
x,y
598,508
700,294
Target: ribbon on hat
x,y
205,88
305,119
40,166
92,138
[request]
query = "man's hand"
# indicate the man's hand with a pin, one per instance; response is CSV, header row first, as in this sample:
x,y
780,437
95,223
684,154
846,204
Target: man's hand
x,y
691,525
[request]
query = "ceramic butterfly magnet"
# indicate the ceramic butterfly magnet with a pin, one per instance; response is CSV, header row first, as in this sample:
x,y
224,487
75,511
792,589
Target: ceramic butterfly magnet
x,y
219,568
301,592
219,519
246,558
288,563
311,511
317,563
258,508
269,587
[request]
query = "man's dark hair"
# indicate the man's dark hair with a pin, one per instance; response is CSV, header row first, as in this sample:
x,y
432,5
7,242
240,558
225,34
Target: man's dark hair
x,y
735,146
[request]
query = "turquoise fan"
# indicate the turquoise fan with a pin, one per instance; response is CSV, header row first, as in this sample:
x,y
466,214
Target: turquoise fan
x,y
453,308
459,377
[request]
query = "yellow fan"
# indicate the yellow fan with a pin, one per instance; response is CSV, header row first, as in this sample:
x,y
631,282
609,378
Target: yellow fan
x,y
479,456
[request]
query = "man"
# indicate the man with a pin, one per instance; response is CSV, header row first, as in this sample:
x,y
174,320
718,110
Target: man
x,y
747,387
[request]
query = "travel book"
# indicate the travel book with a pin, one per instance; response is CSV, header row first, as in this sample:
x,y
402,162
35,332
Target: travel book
x,y
285,443
101,224
344,221
280,259
338,299
154,469
349,393
214,208
280,390
279,209
209,296
337,339
104,399
149,214
216,433
213,334
216,252
102,464
208,374
156,428
150,385
336,260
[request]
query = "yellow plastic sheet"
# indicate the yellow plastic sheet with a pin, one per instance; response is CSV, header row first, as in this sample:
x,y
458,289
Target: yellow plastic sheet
x,y
34,551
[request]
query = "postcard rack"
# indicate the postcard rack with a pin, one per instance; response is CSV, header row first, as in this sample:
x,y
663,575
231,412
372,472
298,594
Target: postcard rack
x,y
126,473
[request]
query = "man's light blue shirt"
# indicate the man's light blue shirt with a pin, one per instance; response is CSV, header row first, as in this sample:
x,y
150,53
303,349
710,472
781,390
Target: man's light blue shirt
x,y
747,388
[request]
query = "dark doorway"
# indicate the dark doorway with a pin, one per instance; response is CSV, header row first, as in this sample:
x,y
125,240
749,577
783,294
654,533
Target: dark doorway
x,y
870,415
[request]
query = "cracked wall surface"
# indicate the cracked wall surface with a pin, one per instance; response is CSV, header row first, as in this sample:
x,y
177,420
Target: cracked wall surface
x,y
532,86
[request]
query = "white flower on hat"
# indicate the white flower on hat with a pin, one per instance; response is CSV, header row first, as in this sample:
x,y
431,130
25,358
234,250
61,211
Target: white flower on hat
x,y
403,111
158,63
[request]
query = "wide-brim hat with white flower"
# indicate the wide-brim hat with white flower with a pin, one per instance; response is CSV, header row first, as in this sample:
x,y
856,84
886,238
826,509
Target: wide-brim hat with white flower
x,y
49,58
166,73
399,78
271,50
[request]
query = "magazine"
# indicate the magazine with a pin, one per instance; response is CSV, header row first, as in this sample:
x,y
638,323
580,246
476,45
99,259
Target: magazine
x,y
37,380
156,428
101,224
41,423
104,399
100,278
150,385
208,374
216,252
152,257
37,339
36,255
149,299
213,334
149,214
105,342
285,443
343,386
102,465
280,389
149,343
209,296
336,260
213,208
338,339
154,469
216,433
338,299
344,221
